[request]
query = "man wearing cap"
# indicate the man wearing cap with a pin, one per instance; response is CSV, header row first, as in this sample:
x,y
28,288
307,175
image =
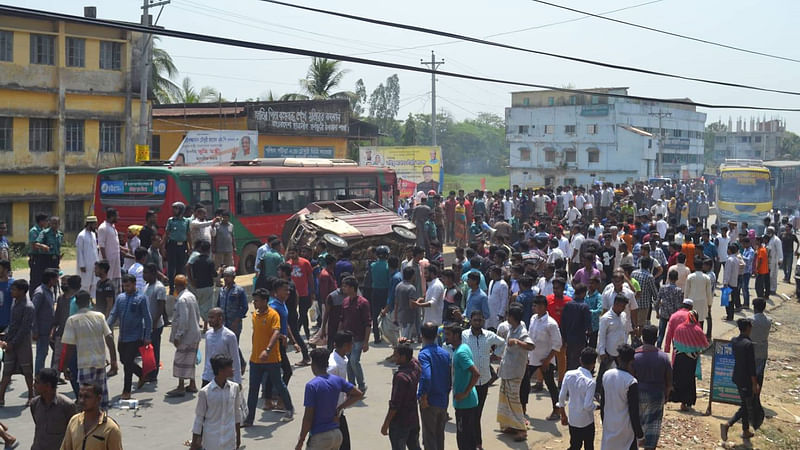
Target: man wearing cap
x,y
232,301
175,244
86,253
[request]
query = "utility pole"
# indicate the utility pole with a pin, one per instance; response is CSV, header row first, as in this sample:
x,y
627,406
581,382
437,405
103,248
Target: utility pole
x,y
146,58
433,65
660,156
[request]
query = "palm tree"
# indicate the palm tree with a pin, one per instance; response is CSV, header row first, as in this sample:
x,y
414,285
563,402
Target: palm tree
x,y
187,93
323,76
163,71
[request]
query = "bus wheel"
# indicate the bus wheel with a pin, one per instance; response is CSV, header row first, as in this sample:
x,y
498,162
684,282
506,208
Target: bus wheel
x,y
248,259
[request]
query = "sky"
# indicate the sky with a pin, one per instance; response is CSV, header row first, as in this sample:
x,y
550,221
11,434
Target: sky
x,y
241,73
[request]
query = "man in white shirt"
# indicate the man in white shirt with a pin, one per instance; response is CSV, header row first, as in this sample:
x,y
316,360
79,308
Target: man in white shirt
x,y
580,200
661,225
567,198
617,287
337,365
508,208
554,253
220,341
86,254
700,289
722,248
498,298
579,387
683,271
545,284
200,229
137,268
656,193
572,215
775,252
613,332
218,414
433,303
546,338
575,249
659,209
540,202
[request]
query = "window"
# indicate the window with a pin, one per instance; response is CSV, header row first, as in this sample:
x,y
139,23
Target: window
x,y
7,52
155,148
76,51
573,99
40,135
744,138
551,101
526,101
570,155
591,129
719,139
73,131
253,196
757,153
595,99
570,181
548,181
43,49
524,154
35,208
677,133
75,215
549,154
569,129
362,187
6,134
110,55
202,193
111,137
649,143
594,155
294,194
549,129
224,198
523,129
758,139
5,216
329,188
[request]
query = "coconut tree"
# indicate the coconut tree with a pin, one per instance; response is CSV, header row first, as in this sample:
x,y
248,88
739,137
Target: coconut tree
x,y
323,76
163,72
187,93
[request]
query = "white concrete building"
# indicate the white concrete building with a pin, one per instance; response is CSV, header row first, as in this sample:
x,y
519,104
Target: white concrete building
x,y
558,138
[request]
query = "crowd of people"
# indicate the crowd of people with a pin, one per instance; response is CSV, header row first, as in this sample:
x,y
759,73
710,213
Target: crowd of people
x,y
546,287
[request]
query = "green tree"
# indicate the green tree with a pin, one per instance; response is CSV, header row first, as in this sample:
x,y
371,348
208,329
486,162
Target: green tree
x,y
384,104
710,136
410,131
323,76
188,93
359,99
163,89
790,146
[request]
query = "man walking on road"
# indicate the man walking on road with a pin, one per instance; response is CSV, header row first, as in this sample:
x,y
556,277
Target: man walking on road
x,y
108,242
17,342
465,397
434,387
402,421
220,341
135,329
92,429
746,380
44,303
483,344
356,318
218,415
86,253
185,335
51,412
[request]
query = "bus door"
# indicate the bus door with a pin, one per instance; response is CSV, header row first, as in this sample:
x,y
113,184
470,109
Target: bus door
x,y
223,193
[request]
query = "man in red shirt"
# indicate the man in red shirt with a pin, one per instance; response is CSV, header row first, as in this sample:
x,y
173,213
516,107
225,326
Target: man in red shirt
x,y
356,319
303,279
450,217
555,305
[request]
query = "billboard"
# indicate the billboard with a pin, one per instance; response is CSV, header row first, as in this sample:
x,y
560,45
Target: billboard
x,y
418,168
216,147
303,118
301,151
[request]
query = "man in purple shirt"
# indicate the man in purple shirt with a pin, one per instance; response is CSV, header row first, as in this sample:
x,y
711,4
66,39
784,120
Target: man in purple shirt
x,y
584,274
357,319
322,404
402,419
653,371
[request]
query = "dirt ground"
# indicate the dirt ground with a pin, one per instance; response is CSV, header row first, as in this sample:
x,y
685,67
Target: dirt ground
x,y
780,398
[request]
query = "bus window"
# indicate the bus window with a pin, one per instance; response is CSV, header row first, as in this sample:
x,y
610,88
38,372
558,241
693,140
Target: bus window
x,y
387,196
329,188
253,196
224,199
293,194
362,187
202,193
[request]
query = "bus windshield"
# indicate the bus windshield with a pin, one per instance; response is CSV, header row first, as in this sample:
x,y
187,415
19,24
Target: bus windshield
x,y
142,189
745,187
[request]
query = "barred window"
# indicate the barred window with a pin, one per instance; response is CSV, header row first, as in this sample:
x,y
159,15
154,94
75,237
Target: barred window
x,y
110,55
43,49
111,137
6,134
35,208
40,135
74,216
5,216
74,135
6,46
76,52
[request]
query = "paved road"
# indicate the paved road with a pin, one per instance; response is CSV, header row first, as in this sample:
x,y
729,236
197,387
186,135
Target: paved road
x,y
162,423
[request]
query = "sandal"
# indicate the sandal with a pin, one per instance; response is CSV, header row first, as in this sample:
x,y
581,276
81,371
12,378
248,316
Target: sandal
x,y
521,437
191,390
176,393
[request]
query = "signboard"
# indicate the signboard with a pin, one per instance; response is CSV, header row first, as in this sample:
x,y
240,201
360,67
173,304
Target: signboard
x,y
594,110
723,389
306,118
142,153
216,147
288,151
677,143
418,168
133,187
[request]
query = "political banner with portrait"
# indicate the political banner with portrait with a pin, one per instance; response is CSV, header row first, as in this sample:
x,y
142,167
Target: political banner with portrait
x,y
418,168
216,147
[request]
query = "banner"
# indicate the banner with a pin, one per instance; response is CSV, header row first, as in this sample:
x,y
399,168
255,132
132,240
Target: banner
x,y
289,151
723,389
142,153
418,168
216,147
302,118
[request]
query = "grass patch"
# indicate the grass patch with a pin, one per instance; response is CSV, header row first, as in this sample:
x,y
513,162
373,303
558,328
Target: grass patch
x,y
19,257
472,181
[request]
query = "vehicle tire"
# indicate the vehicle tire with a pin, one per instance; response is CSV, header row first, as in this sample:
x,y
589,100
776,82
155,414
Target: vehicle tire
x,y
335,240
404,233
247,260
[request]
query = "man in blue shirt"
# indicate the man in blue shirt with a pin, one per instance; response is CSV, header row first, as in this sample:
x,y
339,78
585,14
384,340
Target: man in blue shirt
x,y
434,388
380,277
5,293
474,267
476,298
748,255
343,265
135,327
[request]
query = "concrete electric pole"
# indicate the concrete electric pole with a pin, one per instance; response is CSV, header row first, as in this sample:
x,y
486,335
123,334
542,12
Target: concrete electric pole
x,y
660,157
433,65
146,58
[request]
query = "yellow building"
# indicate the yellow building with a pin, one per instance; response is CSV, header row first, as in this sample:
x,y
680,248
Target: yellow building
x,y
69,107
303,128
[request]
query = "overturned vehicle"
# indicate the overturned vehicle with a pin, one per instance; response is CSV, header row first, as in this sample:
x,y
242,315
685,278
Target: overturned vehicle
x,y
349,224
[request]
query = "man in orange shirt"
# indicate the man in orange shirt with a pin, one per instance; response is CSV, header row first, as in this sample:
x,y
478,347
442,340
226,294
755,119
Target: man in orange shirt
x,y
265,359
688,249
761,269
555,305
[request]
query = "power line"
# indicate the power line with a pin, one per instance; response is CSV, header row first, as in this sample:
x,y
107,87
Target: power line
x,y
670,33
527,50
26,12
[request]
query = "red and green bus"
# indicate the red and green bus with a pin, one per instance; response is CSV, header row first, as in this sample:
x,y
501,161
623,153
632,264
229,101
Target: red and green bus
x,y
259,194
